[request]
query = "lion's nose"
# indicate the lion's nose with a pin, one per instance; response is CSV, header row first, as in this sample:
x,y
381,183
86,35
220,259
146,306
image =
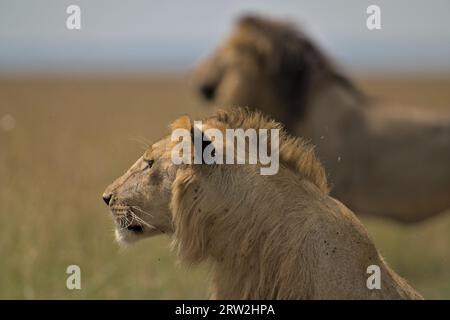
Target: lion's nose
x,y
208,91
107,198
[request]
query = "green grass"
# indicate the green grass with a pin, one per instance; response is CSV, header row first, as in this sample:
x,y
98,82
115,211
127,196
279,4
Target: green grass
x,y
420,253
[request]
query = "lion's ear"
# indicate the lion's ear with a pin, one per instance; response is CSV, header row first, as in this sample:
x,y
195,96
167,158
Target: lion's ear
x,y
258,50
201,143
182,122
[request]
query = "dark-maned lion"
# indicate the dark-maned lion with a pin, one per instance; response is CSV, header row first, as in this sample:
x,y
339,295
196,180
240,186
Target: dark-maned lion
x,y
381,159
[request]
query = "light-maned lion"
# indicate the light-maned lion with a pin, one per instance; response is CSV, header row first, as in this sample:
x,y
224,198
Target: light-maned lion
x,y
265,237
381,159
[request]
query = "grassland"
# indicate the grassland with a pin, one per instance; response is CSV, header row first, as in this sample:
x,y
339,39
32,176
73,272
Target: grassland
x,y
72,137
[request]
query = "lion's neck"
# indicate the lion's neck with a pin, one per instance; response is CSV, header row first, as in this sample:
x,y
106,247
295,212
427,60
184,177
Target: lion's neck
x,y
327,104
333,119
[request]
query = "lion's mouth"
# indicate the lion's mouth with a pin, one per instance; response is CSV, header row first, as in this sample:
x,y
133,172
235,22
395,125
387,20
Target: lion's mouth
x,y
136,228
129,225
126,219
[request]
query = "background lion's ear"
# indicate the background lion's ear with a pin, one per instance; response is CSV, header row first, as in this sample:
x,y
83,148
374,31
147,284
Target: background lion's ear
x,y
182,122
259,49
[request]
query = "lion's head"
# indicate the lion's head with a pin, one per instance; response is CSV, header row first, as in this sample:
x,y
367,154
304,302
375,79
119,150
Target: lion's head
x,y
156,195
139,199
262,64
265,64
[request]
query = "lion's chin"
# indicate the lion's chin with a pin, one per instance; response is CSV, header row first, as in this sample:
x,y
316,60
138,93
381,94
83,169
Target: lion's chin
x,y
125,237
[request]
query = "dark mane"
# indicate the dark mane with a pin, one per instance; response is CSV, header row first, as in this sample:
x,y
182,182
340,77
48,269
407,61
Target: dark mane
x,y
296,63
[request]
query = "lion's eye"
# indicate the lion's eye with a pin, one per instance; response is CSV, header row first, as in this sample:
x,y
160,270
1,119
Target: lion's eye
x,y
149,163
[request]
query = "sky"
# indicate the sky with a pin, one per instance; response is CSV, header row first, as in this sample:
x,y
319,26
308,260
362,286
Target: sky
x,y
136,36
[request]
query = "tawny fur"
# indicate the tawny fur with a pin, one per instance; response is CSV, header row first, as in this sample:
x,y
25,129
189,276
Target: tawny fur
x,y
381,159
265,237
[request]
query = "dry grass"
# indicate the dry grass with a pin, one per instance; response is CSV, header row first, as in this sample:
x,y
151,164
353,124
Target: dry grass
x,y
71,138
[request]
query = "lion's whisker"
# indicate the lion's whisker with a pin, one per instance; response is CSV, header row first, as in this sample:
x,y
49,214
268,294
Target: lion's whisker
x,y
142,141
143,211
125,223
139,219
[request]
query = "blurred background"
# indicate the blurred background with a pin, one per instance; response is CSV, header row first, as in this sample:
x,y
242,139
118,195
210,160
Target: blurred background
x,y
77,107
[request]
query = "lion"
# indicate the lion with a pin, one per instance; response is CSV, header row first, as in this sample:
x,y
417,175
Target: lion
x,y
382,160
264,236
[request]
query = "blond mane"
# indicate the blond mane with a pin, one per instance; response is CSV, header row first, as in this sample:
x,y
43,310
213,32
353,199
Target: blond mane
x,y
295,153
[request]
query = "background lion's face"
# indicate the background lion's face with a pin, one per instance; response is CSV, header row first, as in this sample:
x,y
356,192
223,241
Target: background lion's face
x,y
237,73
139,200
